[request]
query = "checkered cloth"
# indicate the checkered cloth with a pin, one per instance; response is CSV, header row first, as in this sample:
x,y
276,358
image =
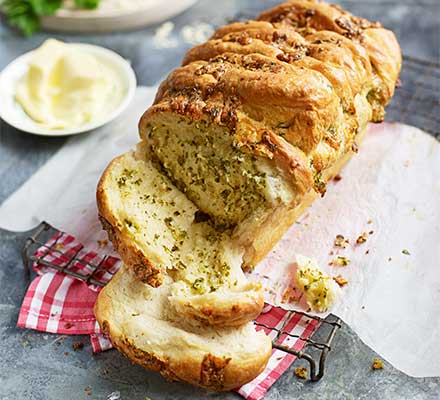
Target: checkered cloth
x,y
58,303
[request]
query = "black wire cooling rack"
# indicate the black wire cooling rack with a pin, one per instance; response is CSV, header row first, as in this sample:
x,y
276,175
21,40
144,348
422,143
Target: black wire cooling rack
x,y
416,102
417,98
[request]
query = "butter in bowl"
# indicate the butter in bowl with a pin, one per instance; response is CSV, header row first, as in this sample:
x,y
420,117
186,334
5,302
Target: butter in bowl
x,y
64,89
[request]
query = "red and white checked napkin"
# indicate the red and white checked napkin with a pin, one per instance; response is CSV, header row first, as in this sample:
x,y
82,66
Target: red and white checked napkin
x,y
58,303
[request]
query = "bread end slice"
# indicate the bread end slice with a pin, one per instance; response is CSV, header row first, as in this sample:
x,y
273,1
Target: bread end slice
x,y
141,324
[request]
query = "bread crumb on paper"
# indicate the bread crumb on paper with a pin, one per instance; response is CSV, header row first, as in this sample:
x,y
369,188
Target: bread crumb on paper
x,y
362,238
301,372
340,261
340,241
340,280
377,363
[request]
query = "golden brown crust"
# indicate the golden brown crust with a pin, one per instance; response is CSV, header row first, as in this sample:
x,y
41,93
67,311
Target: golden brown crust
x,y
217,314
282,219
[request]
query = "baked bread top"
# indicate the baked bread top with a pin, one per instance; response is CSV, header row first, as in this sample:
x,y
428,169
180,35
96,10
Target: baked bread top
x,y
295,86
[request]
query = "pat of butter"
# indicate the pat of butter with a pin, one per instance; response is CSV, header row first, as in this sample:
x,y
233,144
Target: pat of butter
x,y
65,86
320,290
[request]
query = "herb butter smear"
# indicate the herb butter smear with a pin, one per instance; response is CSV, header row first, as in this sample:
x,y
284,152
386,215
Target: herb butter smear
x,y
66,86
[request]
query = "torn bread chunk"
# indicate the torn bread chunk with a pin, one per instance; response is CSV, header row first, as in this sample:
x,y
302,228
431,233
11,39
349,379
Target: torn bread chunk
x,y
159,232
320,290
143,325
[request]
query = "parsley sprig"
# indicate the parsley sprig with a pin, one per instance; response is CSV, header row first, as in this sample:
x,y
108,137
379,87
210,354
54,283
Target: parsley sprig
x,y
25,14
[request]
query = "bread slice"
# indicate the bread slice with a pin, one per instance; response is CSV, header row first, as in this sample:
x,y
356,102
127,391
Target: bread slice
x,y
160,233
144,326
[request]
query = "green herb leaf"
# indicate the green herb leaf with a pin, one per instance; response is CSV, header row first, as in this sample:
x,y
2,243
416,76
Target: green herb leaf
x,y
21,15
24,14
45,7
89,4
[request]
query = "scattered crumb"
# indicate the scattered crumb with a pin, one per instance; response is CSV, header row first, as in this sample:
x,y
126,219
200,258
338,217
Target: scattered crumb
x,y
406,252
78,346
289,296
66,353
371,232
340,261
367,251
68,325
337,178
301,372
370,221
102,243
59,246
362,238
340,280
88,390
340,241
331,253
389,259
363,307
377,363
354,147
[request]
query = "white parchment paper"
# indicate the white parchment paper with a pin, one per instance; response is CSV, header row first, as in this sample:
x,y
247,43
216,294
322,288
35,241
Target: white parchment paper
x,y
391,189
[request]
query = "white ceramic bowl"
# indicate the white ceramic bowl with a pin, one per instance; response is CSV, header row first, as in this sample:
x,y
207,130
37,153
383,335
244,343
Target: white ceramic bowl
x,y
107,19
12,112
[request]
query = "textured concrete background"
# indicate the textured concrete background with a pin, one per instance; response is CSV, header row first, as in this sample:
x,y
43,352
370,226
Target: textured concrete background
x,y
43,366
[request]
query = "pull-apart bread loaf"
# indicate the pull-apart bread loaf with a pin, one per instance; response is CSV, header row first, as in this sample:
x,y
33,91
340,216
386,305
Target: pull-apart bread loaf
x,y
239,141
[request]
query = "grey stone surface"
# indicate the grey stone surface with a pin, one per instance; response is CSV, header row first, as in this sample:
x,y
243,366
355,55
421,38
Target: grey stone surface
x,y
36,365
